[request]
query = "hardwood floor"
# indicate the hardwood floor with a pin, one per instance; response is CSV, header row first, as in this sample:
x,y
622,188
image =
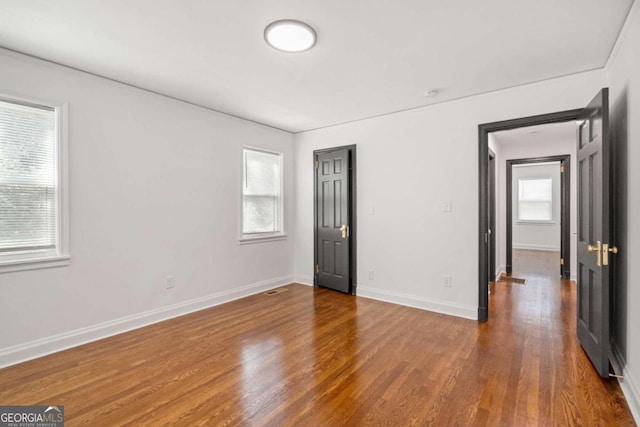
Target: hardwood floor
x,y
315,357
526,261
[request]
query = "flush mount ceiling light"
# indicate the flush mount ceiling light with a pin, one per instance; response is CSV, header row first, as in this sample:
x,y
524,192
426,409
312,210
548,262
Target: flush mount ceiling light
x,y
289,35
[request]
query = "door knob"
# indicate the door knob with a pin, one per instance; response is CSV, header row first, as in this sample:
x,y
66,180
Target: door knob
x,y
344,230
598,252
605,253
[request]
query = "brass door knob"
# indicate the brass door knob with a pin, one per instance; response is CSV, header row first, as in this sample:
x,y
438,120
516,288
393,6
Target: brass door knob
x,y
597,249
605,253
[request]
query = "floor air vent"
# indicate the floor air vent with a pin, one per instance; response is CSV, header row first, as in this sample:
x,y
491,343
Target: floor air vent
x,y
505,278
276,291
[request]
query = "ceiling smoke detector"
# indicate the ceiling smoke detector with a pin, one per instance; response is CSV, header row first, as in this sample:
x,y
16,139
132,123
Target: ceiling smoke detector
x,y
289,35
430,93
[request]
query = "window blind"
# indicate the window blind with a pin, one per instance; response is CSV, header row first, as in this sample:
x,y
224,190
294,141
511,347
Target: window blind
x,y
28,177
261,198
535,199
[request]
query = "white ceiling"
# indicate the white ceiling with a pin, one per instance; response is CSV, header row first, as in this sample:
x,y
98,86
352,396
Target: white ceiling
x,y
373,56
532,134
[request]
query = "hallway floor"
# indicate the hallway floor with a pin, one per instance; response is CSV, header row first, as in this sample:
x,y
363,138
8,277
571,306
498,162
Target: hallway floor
x,y
539,263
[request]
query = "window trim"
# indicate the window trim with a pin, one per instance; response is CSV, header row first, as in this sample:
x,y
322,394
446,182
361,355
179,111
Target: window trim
x,y
59,256
550,202
248,238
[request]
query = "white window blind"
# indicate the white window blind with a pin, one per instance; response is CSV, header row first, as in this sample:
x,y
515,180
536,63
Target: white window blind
x,y
535,199
261,192
28,177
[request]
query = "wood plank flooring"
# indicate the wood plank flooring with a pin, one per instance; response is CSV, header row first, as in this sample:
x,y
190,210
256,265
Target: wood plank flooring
x,y
534,262
315,357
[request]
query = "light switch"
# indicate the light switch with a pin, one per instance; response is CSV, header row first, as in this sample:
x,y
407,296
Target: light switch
x,y
446,206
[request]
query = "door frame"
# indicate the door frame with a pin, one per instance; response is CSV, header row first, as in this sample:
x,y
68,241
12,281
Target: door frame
x,y
492,216
565,209
353,217
483,200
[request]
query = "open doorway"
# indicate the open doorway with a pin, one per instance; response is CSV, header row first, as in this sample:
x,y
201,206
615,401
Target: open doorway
x,y
537,208
594,266
538,205
541,219
530,131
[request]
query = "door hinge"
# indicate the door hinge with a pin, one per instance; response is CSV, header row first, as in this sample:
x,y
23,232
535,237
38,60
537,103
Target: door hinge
x,y
317,164
317,268
561,169
561,261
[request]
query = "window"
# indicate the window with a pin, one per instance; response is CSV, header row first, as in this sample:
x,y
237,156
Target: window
x,y
31,186
535,199
261,194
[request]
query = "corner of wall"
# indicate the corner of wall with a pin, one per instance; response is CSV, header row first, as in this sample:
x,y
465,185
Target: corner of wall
x,y
631,16
437,306
304,280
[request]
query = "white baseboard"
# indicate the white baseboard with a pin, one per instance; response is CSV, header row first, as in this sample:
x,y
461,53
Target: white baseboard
x,y
628,384
304,280
38,348
444,307
532,247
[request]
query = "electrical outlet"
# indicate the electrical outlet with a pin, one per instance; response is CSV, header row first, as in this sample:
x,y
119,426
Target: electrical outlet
x,y
446,281
170,282
371,274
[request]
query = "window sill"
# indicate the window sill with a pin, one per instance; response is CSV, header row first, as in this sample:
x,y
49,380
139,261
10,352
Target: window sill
x,y
7,266
535,222
246,240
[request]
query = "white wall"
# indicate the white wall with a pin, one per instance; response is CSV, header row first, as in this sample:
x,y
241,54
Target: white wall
x,y
408,164
538,236
546,147
623,75
154,191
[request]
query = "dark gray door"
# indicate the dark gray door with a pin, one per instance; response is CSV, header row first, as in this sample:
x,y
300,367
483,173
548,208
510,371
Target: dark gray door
x,y
593,232
333,234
